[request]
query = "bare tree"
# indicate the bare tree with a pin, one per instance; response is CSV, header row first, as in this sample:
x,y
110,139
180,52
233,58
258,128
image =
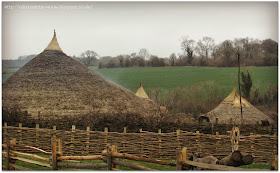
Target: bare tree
x,y
172,59
205,46
89,57
143,53
188,46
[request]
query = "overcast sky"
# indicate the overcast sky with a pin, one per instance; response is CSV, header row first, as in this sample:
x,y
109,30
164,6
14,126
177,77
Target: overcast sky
x,y
114,28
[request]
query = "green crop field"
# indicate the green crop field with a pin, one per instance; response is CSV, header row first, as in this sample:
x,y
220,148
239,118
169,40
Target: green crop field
x,y
171,77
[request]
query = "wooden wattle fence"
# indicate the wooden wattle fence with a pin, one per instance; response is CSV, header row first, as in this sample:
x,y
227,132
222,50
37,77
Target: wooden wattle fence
x,y
144,144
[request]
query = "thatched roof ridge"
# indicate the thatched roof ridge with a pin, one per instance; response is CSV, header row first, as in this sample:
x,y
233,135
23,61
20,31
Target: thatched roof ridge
x,y
141,92
229,110
54,84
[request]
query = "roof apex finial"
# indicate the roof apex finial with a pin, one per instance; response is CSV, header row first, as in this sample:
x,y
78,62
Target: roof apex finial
x,y
54,44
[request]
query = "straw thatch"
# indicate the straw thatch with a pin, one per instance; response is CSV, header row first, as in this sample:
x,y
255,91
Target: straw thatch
x,y
54,44
141,92
55,84
229,111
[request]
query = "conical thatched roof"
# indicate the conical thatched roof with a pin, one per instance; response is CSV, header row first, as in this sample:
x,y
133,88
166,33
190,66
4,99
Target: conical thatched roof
x,y
229,111
55,84
141,92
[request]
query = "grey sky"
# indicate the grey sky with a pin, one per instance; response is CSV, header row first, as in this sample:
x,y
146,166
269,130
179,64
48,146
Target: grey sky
x,y
113,28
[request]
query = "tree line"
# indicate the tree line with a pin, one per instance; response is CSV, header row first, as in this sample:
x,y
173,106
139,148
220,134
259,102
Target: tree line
x,y
204,52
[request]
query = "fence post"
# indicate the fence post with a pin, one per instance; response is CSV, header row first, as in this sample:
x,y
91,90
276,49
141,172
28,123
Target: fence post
x,y
179,159
124,139
275,146
217,142
8,154
114,149
5,131
252,144
72,138
19,133
37,135
197,141
60,146
88,138
54,153
184,153
159,143
109,158
54,130
178,139
142,142
106,136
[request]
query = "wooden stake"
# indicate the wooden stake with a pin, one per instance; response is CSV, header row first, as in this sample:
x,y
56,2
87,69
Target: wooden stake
x,y
8,154
37,135
252,144
88,139
106,136
109,158
179,159
124,139
73,137
19,133
142,142
54,153
217,142
197,141
114,149
159,143
60,146
238,58
178,139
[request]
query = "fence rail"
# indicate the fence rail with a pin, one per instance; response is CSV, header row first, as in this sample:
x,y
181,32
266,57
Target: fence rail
x,y
110,156
146,144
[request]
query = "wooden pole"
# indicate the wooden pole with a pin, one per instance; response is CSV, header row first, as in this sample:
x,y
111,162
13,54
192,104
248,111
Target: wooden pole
x,y
238,58
37,135
114,149
54,153
179,159
8,154
198,141
142,159
178,139
124,140
109,158
19,133
5,131
252,145
54,130
88,139
106,137
159,144
142,142
217,142
60,146
73,138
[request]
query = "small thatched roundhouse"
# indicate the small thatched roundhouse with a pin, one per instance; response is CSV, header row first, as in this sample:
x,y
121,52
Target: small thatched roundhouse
x,y
55,84
141,92
228,112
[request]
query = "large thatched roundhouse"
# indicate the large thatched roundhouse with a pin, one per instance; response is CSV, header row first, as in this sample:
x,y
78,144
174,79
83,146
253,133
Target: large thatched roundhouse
x,y
55,84
229,112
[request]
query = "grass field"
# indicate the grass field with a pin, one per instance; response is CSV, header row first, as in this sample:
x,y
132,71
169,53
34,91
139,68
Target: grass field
x,y
171,77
